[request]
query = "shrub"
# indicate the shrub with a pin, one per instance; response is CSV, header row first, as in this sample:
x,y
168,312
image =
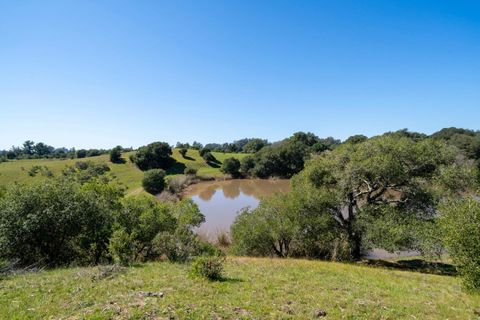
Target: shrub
x,y
247,164
146,229
156,155
183,152
154,181
231,166
460,225
116,155
209,267
57,222
136,225
190,171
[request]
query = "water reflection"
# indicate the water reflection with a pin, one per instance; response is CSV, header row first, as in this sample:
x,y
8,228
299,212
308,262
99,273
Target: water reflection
x,y
220,208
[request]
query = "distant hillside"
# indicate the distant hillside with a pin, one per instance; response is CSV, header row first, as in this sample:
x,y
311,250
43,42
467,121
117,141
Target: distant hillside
x,y
127,174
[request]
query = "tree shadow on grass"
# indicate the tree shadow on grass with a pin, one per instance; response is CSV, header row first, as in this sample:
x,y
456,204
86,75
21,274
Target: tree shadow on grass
x,y
189,158
176,168
416,265
214,163
229,280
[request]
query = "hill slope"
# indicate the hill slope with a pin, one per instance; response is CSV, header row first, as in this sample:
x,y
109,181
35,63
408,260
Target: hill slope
x,y
126,174
253,288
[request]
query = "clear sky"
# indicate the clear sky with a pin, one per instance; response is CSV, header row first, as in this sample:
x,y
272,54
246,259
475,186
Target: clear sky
x,y
102,73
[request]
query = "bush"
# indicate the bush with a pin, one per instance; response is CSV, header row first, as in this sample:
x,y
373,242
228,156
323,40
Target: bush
x,y
231,166
460,225
136,225
116,155
57,222
183,152
156,155
190,171
209,267
247,164
146,229
154,181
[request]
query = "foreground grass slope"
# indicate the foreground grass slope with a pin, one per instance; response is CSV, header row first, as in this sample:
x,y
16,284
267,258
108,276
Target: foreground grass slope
x,y
252,288
127,173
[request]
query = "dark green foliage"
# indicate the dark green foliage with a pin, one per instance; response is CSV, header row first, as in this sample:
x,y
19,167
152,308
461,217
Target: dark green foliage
x,y
204,151
254,145
57,222
146,229
209,157
282,160
379,193
82,153
359,138
116,155
154,181
286,158
136,225
460,224
231,166
156,155
208,267
197,145
183,152
246,165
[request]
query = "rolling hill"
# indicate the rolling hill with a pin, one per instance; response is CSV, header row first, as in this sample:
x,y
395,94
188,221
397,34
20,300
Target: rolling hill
x,y
126,174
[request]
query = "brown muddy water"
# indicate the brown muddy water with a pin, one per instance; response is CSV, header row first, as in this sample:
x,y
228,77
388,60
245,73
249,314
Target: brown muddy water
x,y
220,201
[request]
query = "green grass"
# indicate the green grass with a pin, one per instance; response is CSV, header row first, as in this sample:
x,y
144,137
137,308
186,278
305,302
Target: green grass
x,y
126,174
252,288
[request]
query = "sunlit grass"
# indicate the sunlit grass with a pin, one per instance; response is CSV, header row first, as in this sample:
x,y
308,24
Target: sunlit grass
x,y
252,288
126,174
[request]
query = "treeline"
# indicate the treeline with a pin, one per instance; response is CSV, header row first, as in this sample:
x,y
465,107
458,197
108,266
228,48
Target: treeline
x,y
246,145
40,150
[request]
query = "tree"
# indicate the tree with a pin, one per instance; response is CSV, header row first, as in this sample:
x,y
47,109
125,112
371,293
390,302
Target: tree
x,y
156,155
82,153
28,147
197,145
231,166
386,178
254,145
154,181
359,138
116,155
183,152
460,221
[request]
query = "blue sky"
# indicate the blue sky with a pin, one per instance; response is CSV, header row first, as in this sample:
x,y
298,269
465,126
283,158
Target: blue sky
x,y
102,73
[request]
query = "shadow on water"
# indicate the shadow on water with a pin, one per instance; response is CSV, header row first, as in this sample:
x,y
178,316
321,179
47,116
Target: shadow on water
x,y
416,265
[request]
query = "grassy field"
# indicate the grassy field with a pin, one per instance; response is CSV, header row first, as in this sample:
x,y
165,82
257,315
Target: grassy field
x,y
126,174
253,288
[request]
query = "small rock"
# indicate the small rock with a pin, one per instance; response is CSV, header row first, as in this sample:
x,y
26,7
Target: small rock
x,y
320,313
152,294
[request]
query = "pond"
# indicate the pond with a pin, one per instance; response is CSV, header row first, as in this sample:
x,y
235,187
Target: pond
x,y
220,201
